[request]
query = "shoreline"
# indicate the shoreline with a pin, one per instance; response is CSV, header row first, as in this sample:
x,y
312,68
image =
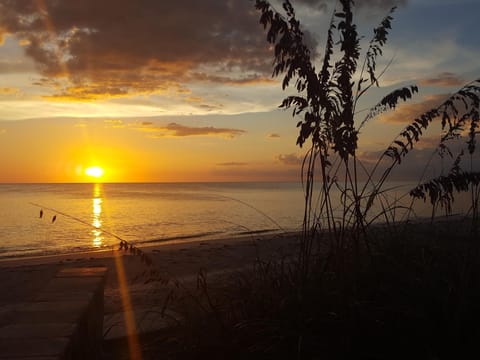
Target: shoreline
x,y
153,243
153,246
171,243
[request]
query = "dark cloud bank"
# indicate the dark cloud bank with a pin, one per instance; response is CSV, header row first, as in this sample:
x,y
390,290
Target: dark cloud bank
x,y
121,44
108,48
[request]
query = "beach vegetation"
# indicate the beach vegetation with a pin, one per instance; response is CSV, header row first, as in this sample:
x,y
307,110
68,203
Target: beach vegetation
x,y
330,125
353,290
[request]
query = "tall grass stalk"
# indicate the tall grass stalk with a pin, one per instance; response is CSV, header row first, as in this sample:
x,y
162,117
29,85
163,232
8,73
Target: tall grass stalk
x,y
326,106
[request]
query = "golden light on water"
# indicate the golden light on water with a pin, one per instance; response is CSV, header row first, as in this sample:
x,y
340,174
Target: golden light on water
x,y
96,215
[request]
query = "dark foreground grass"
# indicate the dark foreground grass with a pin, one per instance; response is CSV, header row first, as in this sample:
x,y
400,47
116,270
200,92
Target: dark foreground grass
x,y
416,295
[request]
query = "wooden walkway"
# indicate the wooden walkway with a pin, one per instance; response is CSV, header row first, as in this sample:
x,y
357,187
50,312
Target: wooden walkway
x,y
63,321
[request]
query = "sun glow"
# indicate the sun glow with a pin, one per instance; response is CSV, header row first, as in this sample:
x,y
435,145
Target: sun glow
x,y
94,171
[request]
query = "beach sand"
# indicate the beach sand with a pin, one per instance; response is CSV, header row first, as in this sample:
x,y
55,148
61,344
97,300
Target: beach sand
x,y
22,278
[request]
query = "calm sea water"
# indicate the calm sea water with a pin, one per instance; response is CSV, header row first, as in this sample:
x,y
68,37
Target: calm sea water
x,y
94,216
91,214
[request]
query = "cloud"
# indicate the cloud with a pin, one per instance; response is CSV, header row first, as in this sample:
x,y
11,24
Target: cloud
x,y
114,123
9,91
406,113
233,163
428,143
115,48
382,4
209,107
273,136
199,103
443,79
108,86
178,130
228,80
290,159
12,67
118,48
419,161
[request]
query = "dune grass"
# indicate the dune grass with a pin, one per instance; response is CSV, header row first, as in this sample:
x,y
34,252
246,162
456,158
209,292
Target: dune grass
x,y
352,289
417,297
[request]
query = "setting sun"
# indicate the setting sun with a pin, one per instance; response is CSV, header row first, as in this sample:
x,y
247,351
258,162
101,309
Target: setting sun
x,y
94,171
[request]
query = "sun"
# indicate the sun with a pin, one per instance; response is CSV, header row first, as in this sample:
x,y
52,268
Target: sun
x,y
94,171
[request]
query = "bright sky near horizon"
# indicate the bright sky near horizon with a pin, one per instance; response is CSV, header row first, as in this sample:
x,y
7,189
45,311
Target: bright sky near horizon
x,y
182,90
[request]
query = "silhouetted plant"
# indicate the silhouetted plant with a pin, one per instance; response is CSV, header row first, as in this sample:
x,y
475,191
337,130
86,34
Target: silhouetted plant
x,y
440,190
326,104
338,308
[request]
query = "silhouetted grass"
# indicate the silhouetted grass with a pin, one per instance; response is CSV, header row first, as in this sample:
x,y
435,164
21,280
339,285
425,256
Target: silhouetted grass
x,y
330,125
418,298
351,290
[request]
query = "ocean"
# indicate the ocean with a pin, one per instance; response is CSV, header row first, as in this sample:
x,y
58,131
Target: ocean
x,y
95,216
44,219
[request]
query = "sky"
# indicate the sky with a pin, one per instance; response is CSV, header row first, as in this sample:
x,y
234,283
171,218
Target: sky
x,y
157,91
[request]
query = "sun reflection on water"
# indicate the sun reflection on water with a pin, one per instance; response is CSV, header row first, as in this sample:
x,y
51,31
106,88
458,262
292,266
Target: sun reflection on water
x,y
96,215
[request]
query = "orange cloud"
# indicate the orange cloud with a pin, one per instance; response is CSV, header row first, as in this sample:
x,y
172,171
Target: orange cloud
x,y
233,163
290,159
114,123
428,143
112,48
109,85
273,136
406,113
9,91
443,79
199,102
254,79
177,130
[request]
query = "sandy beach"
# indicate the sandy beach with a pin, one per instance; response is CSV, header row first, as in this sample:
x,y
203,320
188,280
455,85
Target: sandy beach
x,y
21,278
395,291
